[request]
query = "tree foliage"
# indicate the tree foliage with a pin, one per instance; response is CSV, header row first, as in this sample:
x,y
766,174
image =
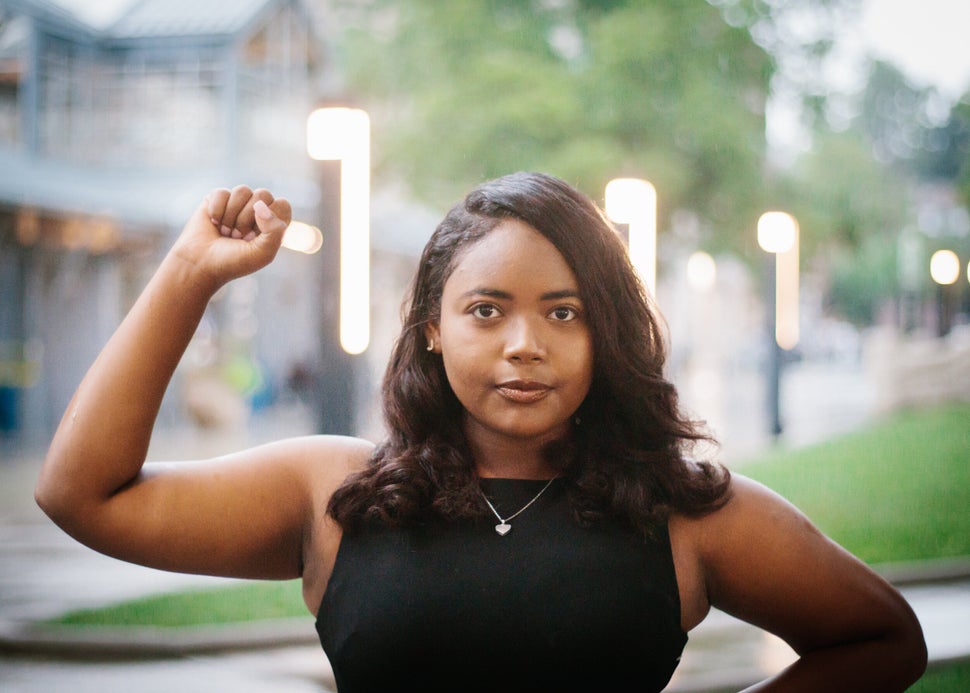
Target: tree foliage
x,y
673,91
661,89
862,187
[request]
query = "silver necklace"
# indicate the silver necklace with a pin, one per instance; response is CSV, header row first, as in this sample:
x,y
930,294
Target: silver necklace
x,y
503,527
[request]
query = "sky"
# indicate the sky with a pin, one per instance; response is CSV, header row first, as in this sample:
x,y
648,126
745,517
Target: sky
x,y
926,39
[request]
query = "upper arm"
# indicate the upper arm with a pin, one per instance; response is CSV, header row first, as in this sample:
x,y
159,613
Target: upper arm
x,y
766,563
241,515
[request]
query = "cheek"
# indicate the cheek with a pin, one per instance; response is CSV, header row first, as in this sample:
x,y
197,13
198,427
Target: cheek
x,y
584,354
460,369
586,380
580,366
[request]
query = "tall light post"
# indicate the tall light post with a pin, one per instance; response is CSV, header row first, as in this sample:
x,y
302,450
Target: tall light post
x,y
339,138
778,236
633,201
944,270
343,134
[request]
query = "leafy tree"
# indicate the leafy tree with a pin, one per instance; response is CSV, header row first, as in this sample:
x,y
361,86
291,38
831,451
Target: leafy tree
x,y
957,133
863,185
895,116
670,90
662,89
945,154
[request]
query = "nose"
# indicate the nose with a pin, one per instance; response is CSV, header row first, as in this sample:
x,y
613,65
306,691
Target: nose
x,y
524,341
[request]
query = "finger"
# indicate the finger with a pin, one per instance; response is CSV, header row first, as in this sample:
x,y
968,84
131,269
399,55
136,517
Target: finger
x,y
271,221
246,219
238,198
215,205
282,210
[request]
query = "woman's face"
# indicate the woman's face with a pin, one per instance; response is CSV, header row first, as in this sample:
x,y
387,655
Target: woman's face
x,y
514,338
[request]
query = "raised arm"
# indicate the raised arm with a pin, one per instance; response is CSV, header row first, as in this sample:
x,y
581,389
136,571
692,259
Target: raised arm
x,y
762,560
241,515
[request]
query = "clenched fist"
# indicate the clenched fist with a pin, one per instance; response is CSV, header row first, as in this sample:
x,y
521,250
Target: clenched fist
x,y
234,233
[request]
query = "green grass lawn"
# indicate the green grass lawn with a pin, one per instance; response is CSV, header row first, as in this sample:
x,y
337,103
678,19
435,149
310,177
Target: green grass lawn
x,y
896,491
247,601
952,677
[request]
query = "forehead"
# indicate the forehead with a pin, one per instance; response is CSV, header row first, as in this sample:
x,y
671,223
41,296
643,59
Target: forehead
x,y
513,252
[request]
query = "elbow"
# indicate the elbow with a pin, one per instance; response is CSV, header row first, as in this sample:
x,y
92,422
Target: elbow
x,y
48,499
919,657
910,656
53,495
911,664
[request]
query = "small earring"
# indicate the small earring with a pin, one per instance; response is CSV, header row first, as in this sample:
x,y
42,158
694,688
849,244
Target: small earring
x,y
430,346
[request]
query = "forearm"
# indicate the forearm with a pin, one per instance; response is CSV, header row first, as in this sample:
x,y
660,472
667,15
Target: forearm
x,y
102,440
890,663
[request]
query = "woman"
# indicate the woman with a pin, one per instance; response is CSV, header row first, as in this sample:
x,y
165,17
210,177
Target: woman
x,y
532,519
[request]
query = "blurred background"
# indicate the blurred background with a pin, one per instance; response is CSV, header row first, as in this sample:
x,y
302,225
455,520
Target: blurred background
x,y
792,178
851,117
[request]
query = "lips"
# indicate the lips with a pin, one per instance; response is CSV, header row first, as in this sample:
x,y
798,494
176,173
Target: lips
x,y
523,391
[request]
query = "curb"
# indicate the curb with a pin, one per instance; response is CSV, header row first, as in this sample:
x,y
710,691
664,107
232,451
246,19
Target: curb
x,y
934,571
149,642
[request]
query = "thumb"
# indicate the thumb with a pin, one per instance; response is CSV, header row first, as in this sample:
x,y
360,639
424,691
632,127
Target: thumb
x,y
271,221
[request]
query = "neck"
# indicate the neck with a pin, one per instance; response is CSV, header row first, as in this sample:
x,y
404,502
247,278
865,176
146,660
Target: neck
x,y
500,458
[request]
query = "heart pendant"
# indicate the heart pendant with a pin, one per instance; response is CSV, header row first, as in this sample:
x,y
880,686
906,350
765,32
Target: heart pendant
x,y
503,528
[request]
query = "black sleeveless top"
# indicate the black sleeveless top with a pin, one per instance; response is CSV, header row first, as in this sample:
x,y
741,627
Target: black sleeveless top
x,y
457,607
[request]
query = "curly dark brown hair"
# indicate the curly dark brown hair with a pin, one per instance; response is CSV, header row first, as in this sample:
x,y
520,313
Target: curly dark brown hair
x,y
627,457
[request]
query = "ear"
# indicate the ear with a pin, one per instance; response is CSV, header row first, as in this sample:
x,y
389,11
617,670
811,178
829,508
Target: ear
x,y
433,336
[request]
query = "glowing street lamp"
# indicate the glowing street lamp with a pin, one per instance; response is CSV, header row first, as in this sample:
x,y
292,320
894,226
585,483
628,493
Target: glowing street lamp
x,y
344,134
778,236
633,201
945,267
945,271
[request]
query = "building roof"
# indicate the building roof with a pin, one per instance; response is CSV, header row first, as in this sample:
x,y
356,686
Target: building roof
x,y
160,18
52,13
139,19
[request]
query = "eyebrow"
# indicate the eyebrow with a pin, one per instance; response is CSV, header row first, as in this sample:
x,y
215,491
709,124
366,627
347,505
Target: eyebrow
x,y
498,293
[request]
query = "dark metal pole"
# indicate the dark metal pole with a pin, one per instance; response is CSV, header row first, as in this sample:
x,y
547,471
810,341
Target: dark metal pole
x,y
944,311
773,350
334,392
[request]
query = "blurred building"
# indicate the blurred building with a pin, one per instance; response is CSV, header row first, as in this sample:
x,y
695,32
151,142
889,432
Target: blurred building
x,y
111,132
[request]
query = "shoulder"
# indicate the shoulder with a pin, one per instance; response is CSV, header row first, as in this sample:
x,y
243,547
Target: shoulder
x,y
755,533
761,559
749,505
753,519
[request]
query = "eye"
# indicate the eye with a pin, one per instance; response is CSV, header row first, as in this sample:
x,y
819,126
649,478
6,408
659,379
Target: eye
x,y
484,310
564,313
